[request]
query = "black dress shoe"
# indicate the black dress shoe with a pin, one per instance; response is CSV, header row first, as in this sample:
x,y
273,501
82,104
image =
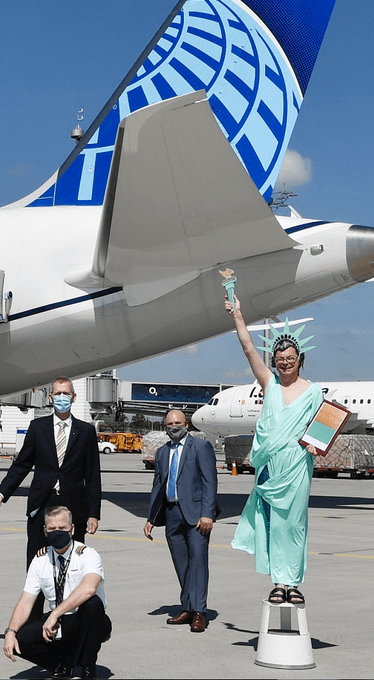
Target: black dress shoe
x,y
63,670
89,672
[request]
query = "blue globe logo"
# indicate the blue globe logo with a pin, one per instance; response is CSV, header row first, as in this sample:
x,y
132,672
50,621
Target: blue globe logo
x,y
225,50
220,46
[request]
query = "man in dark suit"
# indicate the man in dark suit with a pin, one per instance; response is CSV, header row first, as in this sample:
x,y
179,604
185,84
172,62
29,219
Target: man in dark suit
x,y
64,452
183,498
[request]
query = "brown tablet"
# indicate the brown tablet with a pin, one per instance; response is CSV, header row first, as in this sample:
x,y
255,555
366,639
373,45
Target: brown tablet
x,y
327,423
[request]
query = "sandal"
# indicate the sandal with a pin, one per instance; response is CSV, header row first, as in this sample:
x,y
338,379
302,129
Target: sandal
x,y
294,596
277,596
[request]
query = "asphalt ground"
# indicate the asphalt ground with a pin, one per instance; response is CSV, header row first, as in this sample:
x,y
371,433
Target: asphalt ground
x,y
142,588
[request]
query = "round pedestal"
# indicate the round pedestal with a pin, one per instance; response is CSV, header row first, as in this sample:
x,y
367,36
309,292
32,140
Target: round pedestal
x,y
285,647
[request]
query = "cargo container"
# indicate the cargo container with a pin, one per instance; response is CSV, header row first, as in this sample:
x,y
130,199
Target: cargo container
x,y
350,453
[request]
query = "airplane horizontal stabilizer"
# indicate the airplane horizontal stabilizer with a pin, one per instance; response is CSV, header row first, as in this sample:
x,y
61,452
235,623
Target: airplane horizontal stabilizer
x,y
280,324
178,200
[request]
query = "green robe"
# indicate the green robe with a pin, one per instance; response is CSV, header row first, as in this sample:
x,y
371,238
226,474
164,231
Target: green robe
x,y
274,522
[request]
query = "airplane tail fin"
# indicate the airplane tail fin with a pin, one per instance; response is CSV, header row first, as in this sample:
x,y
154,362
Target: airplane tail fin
x,y
254,58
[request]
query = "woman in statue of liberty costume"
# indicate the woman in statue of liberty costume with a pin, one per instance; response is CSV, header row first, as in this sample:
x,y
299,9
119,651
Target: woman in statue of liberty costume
x,y
274,522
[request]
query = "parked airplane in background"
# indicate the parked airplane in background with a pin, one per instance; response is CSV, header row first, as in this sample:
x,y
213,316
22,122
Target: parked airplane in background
x,y
116,257
237,409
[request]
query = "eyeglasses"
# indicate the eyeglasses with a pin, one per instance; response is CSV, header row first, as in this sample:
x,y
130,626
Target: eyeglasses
x,y
286,360
58,394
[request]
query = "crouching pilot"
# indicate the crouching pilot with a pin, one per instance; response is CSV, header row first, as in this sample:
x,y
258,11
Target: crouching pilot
x,y
71,577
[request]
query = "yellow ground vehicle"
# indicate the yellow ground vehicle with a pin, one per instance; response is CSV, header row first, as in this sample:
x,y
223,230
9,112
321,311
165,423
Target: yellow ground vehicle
x,y
128,442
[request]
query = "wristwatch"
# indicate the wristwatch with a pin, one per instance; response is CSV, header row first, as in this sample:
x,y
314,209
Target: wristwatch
x,y
12,630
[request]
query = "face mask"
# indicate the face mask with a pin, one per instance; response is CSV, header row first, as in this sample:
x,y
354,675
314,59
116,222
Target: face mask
x,y
58,539
62,403
176,432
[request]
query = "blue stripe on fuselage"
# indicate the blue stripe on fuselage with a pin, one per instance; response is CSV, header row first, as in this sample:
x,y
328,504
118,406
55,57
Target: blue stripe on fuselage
x,y
64,303
306,225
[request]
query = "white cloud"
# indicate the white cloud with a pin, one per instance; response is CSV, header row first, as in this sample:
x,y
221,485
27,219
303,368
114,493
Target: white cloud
x,y
234,373
295,170
191,349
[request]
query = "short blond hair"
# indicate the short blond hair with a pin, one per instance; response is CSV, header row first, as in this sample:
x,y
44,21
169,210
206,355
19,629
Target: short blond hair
x,y
62,379
55,510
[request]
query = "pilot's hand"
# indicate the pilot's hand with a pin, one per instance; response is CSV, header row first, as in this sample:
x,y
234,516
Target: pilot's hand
x,y
92,525
11,644
148,530
204,525
50,627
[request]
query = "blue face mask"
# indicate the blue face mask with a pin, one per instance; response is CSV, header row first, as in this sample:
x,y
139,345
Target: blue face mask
x,y
62,403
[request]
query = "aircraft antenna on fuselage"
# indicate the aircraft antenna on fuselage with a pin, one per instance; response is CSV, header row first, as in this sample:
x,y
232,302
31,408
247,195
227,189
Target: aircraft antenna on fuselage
x,y
78,132
279,199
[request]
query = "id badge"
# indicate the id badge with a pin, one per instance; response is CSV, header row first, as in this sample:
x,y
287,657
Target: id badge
x,y
58,635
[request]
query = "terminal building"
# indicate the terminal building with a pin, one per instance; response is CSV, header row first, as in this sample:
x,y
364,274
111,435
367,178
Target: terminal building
x,y
102,400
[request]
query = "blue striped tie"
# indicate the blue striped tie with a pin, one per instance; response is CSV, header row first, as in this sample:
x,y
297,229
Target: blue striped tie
x,y
173,473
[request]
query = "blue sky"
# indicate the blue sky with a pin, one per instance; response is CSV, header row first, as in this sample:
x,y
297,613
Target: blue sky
x,y
59,57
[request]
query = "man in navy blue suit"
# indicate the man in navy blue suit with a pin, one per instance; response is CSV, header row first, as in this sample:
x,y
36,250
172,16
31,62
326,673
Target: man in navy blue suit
x,y
183,498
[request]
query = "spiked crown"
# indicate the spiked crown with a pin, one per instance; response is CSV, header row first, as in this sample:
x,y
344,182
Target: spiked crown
x,y
286,334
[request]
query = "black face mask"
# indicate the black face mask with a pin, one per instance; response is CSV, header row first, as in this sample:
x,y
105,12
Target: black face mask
x,y
58,539
176,432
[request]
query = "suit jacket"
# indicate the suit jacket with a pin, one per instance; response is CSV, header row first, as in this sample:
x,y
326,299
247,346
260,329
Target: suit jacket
x,y
79,474
196,482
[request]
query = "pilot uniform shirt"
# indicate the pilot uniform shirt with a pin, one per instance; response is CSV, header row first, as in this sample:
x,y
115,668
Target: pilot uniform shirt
x,y
40,576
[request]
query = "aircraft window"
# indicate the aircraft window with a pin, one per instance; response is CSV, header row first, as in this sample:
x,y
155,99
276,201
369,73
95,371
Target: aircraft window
x,y
215,402
369,401
346,401
210,403
361,401
353,401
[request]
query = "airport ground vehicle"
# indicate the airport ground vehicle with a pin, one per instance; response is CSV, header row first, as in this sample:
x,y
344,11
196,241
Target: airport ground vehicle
x,y
128,442
107,447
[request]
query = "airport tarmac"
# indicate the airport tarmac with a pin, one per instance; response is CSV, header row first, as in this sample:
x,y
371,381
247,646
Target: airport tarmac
x,y
142,588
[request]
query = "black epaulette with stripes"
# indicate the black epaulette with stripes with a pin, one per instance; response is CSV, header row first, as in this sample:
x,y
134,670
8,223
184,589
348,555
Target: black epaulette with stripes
x,y
42,551
80,548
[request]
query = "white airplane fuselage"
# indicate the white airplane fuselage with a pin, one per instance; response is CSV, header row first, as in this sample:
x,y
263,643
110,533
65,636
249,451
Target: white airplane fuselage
x,y
56,328
116,257
237,409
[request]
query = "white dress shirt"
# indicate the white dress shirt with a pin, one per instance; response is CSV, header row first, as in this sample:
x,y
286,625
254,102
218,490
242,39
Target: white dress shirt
x,y
57,421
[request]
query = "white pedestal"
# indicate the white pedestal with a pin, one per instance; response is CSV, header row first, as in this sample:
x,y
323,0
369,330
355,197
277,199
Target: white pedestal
x,y
284,647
